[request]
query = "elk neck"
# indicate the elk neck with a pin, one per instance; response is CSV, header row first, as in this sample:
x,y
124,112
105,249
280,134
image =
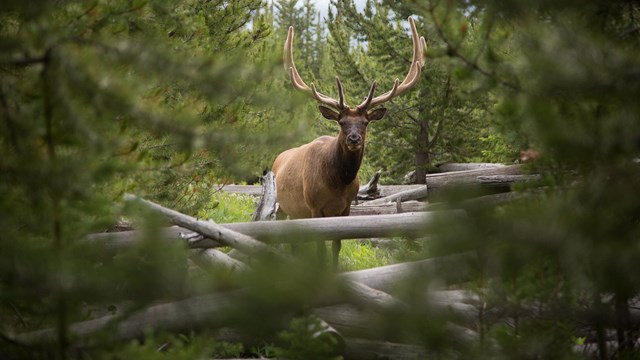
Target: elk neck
x,y
344,164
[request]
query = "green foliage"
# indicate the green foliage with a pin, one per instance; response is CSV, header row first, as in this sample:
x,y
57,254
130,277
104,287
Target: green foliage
x,y
167,99
176,347
497,150
306,338
446,116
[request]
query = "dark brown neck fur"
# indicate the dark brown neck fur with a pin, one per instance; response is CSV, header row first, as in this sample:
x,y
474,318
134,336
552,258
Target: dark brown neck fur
x,y
344,164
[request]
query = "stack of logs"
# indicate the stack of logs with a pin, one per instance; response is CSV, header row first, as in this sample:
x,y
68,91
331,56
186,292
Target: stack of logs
x,y
382,211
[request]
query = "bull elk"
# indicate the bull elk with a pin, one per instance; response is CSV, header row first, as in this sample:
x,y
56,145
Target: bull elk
x,y
319,179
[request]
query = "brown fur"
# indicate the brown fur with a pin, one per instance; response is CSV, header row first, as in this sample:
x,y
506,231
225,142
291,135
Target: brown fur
x,y
320,179
317,179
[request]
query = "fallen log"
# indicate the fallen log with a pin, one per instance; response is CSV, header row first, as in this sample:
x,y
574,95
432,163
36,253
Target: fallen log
x,y
468,177
211,230
208,311
468,166
216,310
385,209
410,194
214,258
277,232
352,320
113,242
330,228
506,180
450,269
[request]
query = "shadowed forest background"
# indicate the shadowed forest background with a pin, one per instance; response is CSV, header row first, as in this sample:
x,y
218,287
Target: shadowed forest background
x,y
169,100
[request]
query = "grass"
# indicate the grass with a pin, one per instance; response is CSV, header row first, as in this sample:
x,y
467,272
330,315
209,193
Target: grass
x,y
228,208
356,255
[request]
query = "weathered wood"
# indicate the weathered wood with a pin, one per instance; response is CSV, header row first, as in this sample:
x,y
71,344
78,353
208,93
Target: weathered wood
x,y
267,207
452,268
211,230
217,259
505,180
468,177
366,226
352,320
212,311
366,296
468,166
208,311
411,194
389,208
370,190
116,241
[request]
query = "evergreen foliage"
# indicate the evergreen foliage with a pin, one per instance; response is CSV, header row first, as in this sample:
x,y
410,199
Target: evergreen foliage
x,y
168,98
445,118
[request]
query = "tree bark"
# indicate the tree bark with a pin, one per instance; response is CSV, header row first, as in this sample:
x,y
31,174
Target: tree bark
x,y
468,177
386,209
331,228
267,207
448,167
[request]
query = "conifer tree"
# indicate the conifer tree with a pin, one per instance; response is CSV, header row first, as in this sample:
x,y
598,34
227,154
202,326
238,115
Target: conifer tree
x,y
433,124
101,98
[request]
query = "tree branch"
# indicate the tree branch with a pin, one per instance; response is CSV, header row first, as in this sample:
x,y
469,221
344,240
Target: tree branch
x,y
453,52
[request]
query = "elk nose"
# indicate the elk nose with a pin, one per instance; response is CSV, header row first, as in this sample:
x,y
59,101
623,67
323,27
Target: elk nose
x,y
354,139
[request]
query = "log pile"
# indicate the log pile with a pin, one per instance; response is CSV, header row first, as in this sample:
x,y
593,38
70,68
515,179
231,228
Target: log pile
x,y
345,308
350,301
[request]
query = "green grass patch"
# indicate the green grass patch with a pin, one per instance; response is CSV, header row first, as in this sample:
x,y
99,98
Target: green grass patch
x,y
228,208
358,255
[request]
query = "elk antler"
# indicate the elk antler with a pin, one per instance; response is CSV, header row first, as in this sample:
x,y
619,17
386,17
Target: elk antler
x,y
299,84
419,49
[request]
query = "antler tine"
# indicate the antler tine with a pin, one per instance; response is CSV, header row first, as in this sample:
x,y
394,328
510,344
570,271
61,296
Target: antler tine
x,y
299,84
417,62
366,104
341,92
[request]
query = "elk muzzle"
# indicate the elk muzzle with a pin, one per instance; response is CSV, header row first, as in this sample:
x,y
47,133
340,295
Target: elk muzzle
x,y
354,142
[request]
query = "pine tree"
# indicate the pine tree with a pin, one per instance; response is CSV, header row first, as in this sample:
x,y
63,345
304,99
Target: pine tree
x,y
101,98
426,126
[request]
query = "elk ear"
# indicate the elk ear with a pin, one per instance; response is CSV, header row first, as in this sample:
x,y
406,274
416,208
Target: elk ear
x,y
328,113
376,114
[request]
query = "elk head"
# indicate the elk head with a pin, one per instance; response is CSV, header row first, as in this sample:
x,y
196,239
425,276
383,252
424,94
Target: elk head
x,y
354,120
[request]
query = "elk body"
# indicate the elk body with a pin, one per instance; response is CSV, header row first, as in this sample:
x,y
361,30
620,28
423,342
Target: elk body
x,y
320,179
